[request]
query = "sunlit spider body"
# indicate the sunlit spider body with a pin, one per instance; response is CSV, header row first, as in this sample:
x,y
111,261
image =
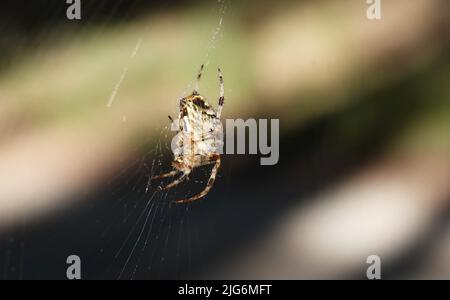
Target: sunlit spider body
x,y
199,139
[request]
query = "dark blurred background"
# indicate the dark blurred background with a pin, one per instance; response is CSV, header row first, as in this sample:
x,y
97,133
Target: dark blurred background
x,y
364,109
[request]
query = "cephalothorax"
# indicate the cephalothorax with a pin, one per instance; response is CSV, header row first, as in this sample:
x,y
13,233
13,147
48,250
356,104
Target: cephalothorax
x,y
199,138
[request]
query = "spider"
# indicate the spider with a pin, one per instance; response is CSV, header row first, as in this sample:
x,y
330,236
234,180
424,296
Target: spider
x,y
199,138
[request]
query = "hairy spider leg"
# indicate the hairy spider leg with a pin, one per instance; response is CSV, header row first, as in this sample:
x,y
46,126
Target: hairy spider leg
x,y
177,181
208,187
169,174
221,95
199,76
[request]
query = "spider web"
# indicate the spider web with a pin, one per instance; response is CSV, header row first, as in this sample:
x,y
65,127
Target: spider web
x,y
134,231
157,233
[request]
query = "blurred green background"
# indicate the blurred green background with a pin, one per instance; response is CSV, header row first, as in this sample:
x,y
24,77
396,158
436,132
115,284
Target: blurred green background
x,y
364,108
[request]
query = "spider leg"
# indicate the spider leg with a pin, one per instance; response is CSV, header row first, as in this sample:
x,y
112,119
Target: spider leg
x,y
221,95
199,76
176,182
208,187
169,174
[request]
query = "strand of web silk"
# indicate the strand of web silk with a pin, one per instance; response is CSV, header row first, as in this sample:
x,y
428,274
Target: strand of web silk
x,y
212,43
216,34
124,73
